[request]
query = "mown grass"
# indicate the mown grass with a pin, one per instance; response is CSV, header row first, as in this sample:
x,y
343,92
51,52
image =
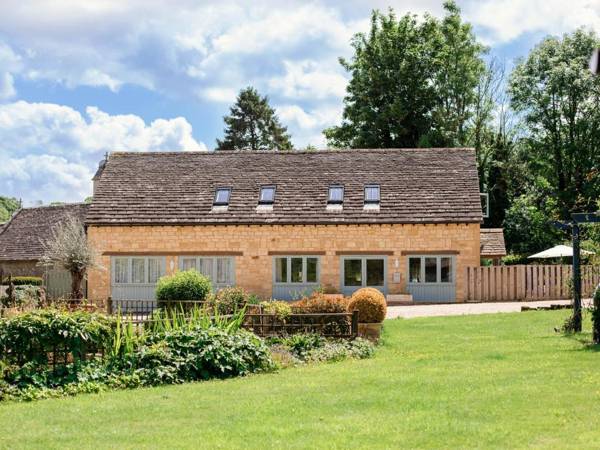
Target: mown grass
x,y
489,381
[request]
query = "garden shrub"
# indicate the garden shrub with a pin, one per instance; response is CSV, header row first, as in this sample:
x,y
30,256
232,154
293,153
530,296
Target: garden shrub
x,y
25,281
370,303
32,336
184,285
229,300
170,357
319,303
277,307
26,297
310,347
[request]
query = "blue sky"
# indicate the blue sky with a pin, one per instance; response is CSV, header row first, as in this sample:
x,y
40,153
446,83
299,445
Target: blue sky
x,y
78,79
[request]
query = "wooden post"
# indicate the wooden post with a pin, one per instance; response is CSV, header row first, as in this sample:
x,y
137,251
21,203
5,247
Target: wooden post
x,y
355,323
109,305
576,280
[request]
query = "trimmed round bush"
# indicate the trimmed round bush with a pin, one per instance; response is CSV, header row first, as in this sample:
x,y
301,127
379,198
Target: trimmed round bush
x,y
185,285
371,305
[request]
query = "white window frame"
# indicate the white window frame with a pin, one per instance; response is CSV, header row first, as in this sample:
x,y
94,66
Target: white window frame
x,y
438,270
219,189
214,268
289,270
371,201
333,201
363,259
486,210
129,259
262,201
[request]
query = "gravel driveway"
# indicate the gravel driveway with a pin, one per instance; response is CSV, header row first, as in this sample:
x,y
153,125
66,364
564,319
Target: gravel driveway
x,y
459,309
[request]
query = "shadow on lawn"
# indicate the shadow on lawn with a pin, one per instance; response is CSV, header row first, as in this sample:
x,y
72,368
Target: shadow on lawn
x,y
585,339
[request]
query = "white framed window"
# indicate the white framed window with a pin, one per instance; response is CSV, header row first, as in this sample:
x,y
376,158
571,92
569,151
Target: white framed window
x,y
485,204
219,269
372,194
296,270
137,270
429,269
336,194
222,196
267,195
363,271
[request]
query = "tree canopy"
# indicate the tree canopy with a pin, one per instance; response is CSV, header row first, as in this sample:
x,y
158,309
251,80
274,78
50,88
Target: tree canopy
x,y
253,125
412,82
8,206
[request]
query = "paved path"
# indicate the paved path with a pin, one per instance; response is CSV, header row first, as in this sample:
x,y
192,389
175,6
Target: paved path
x,y
459,309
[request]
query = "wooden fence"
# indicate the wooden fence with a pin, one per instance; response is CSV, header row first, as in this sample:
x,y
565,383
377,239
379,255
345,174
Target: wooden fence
x,y
523,283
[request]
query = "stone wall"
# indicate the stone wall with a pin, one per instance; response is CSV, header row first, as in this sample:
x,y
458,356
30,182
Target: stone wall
x,y
21,268
255,244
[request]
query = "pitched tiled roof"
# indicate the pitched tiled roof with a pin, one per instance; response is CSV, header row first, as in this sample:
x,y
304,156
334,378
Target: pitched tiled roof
x,y
492,242
21,237
417,186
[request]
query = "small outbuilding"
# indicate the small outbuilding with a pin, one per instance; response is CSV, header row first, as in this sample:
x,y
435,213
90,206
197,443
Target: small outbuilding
x,y
492,244
21,238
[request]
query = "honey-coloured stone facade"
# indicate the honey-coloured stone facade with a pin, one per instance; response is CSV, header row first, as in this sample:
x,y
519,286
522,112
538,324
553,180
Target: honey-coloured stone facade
x,y
254,246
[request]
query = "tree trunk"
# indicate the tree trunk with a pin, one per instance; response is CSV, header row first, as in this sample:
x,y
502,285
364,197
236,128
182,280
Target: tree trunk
x,y
76,280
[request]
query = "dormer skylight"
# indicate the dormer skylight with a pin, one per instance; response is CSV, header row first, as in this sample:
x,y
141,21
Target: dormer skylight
x,y
372,194
336,195
267,195
222,197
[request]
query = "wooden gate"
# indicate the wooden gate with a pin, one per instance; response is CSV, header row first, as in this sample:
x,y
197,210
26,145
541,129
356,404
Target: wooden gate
x,y
523,283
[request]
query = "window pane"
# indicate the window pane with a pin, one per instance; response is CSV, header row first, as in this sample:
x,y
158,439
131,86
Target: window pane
x,y
297,270
188,263
372,193
267,194
154,270
430,270
224,271
375,272
281,270
414,265
205,267
138,270
222,196
446,270
311,270
352,272
121,270
336,194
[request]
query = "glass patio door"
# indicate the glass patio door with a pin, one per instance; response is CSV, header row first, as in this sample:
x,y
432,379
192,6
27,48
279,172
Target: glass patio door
x,y
363,271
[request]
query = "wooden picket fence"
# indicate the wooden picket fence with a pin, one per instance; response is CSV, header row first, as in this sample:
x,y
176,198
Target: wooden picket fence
x,y
523,283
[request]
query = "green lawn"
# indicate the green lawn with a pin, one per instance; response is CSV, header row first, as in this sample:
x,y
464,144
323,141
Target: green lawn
x,y
486,381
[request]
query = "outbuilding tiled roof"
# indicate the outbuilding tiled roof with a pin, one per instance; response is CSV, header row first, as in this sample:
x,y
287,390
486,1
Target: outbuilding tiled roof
x,y
417,186
22,236
492,242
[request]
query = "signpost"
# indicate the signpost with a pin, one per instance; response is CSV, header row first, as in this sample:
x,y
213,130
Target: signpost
x,y
578,218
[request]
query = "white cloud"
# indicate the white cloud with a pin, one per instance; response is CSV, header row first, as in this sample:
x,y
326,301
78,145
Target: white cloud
x,y
7,87
50,151
307,126
308,79
505,20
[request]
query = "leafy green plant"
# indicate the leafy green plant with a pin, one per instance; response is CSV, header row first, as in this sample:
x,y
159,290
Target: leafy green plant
x,y
185,285
229,300
277,307
32,336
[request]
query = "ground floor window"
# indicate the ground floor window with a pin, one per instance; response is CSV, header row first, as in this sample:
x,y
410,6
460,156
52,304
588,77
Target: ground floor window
x,y
295,276
220,270
363,271
430,269
137,269
296,269
135,277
